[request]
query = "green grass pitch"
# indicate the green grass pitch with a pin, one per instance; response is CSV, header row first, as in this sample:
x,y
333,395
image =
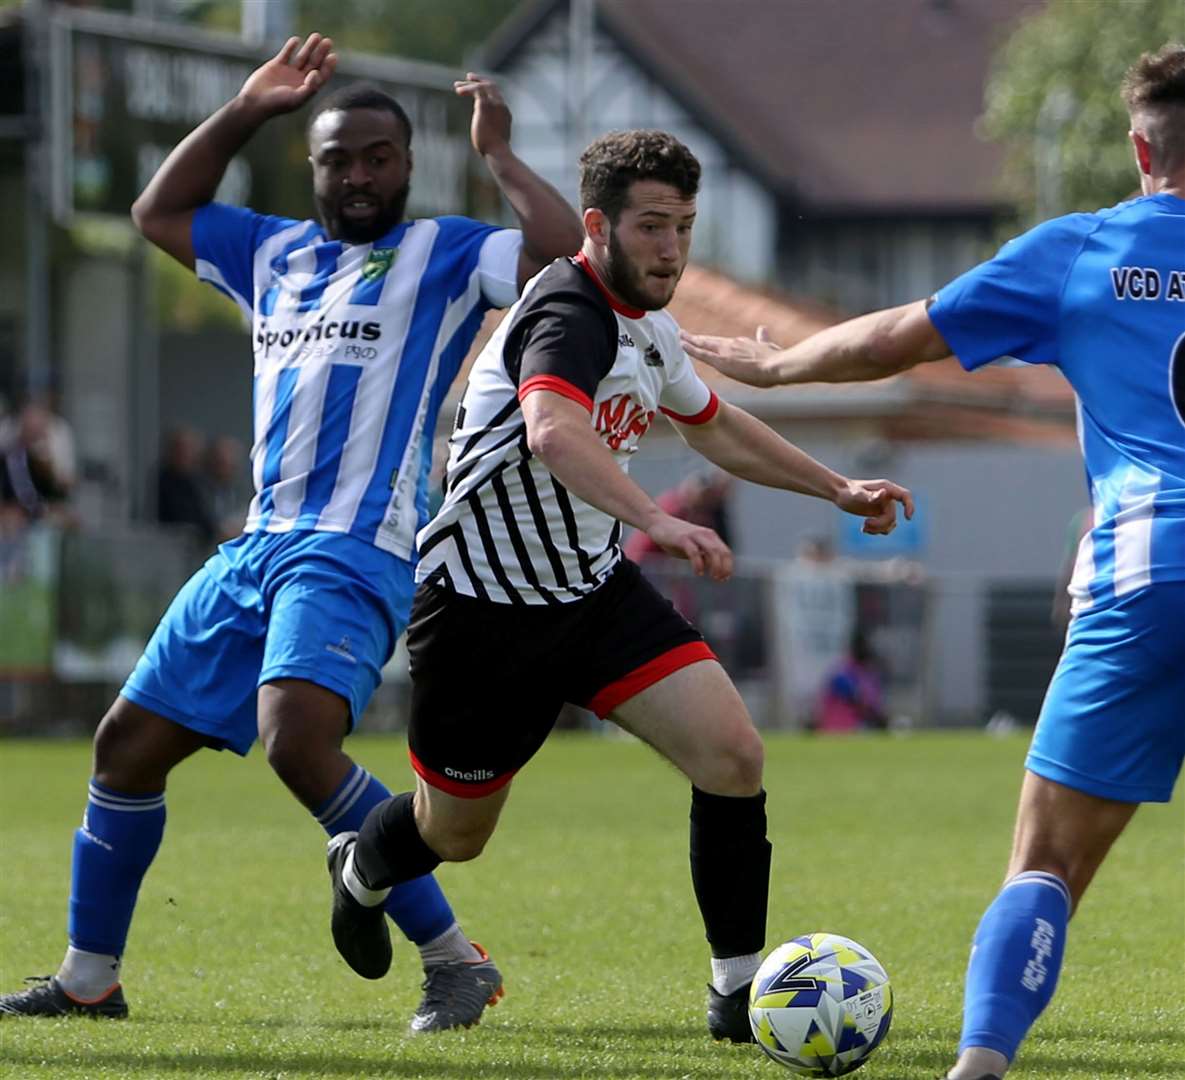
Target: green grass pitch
x,y
584,899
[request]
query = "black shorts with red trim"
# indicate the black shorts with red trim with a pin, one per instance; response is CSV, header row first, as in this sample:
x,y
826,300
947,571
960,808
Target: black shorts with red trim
x,y
489,680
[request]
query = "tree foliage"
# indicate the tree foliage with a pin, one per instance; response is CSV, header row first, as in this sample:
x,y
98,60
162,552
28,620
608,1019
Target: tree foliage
x,y
1053,96
444,31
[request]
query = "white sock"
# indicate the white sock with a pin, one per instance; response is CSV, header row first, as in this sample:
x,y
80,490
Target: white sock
x,y
88,976
977,1061
730,974
451,947
366,896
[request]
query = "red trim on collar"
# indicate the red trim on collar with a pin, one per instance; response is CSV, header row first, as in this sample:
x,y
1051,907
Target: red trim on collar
x,y
581,260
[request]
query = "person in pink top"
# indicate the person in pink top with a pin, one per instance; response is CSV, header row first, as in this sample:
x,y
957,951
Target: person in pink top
x,y
852,698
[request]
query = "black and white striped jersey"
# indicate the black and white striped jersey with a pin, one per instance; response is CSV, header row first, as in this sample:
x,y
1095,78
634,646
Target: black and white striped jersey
x,y
508,531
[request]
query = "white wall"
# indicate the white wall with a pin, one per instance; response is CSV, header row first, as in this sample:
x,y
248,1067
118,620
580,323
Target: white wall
x,y
736,228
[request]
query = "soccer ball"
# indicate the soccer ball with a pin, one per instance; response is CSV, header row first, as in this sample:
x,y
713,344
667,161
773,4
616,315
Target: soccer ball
x,y
820,1005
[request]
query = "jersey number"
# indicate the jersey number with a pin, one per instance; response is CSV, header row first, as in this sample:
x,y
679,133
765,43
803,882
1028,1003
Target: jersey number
x,y
1177,377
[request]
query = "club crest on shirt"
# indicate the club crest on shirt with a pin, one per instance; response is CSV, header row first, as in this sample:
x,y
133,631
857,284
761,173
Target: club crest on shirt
x,y
378,263
652,357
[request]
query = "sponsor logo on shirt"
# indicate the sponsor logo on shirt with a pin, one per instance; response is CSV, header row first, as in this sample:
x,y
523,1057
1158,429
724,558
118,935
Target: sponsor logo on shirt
x,y
619,418
329,333
1147,283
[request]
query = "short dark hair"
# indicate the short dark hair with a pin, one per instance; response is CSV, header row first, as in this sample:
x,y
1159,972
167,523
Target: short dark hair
x,y
1157,78
615,161
1154,90
360,95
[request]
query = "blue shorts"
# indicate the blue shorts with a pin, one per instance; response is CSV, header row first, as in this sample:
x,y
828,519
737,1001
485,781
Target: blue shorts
x,y
1113,722
319,606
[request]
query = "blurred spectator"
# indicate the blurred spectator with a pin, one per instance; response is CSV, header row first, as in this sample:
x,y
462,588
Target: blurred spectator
x,y
227,486
816,549
37,466
180,493
701,498
852,697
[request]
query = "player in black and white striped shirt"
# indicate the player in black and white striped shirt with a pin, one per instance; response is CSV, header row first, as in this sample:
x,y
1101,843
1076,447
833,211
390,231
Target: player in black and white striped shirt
x,y
525,601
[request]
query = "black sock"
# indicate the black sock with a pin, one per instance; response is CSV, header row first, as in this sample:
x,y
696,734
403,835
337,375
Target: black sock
x,y
390,849
730,870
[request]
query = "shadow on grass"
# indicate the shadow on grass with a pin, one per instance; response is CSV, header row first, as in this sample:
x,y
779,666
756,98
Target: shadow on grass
x,y
160,1064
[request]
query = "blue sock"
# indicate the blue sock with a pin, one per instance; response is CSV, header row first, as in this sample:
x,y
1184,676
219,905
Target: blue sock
x,y
418,907
1015,961
118,840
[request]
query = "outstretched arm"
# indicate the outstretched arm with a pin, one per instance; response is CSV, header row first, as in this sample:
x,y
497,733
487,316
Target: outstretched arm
x,y
871,346
742,445
550,226
189,176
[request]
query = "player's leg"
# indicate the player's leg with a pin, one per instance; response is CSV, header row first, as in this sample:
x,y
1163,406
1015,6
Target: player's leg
x,y
338,606
411,835
198,659
1118,686
695,718
301,727
1062,837
464,764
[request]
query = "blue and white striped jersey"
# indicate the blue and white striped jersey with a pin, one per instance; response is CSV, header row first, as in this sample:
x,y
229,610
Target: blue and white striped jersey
x,y
355,348
1102,296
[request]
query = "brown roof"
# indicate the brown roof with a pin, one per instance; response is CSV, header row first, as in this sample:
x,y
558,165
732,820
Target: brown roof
x,y
843,104
1028,403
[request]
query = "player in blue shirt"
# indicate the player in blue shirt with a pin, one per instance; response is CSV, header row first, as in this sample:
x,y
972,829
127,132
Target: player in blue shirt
x,y
360,321
1101,296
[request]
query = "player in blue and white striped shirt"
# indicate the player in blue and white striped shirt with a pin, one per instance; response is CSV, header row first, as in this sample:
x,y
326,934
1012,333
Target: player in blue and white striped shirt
x,y
360,321
1102,296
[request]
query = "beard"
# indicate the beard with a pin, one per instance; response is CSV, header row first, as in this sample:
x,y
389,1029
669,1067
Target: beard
x,y
340,227
628,282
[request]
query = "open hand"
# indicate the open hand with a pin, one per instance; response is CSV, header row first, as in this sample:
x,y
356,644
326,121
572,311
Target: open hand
x,y
740,358
490,130
875,501
286,81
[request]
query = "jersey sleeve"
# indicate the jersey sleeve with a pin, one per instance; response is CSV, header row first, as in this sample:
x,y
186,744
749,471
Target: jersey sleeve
x,y
564,346
497,267
686,397
225,239
1011,304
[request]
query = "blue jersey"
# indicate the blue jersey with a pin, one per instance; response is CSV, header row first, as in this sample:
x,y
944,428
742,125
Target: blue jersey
x,y
355,347
1101,296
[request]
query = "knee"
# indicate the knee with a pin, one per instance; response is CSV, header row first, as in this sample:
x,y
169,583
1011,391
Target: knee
x,y
736,765
291,757
123,752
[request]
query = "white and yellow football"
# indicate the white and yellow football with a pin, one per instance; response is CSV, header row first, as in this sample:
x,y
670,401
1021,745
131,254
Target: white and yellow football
x,y
820,1004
